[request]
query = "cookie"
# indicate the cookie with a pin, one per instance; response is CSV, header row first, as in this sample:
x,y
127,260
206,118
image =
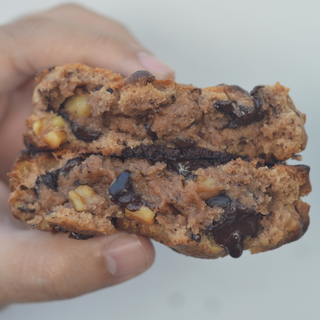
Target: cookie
x,y
205,208
199,170
87,110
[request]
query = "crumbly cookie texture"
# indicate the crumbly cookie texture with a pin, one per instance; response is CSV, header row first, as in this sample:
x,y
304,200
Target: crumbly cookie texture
x,y
199,170
204,209
88,110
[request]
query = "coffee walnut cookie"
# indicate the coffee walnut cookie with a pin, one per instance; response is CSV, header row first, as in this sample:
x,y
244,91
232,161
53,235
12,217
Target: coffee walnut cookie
x,y
200,170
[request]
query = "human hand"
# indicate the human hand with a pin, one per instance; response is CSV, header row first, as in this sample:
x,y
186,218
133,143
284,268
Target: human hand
x,y
35,265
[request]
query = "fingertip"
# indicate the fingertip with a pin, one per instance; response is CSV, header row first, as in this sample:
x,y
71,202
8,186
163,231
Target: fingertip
x,y
157,67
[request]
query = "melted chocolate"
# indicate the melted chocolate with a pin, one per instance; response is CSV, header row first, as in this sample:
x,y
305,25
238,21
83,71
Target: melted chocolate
x,y
84,134
149,132
49,179
139,78
184,143
242,115
71,164
195,237
160,153
123,193
79,131
237,222
180,161
80,236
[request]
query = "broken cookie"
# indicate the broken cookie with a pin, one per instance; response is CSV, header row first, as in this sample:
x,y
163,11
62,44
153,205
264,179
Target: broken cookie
x,y
96,111
200,170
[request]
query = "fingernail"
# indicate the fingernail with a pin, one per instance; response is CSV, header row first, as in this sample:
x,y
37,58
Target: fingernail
x,y
158,68
126,255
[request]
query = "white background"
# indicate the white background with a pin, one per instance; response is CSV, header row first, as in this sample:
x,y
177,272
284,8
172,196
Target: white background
x,y
207,42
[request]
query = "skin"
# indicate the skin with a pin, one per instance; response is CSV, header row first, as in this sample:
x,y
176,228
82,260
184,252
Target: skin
x,y
41,266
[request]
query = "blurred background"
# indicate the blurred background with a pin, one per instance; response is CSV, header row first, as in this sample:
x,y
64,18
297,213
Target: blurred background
x,y
207,42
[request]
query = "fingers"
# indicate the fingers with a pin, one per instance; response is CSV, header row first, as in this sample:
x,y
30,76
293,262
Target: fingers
x,y
80,15
38,42
38,266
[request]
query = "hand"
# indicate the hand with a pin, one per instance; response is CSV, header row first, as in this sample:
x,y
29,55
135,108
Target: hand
x,y
36,265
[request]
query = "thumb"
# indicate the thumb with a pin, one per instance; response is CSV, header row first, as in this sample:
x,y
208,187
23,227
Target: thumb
x,y
38,266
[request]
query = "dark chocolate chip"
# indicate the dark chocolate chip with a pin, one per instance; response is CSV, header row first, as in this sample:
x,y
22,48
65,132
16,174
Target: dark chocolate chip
x,y
198,90
184,143
31,147
237,222
242,115
80,236
237,88
49,179
123,193
24,208
60,229
139,78
195,237
71,164
149,132
221,201
84,134
110,90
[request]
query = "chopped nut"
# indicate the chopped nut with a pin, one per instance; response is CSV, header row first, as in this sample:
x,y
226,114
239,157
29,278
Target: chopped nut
x,y
24,166
83,196
209,182
57,121
37,127
143,215
77,201
292,225
55,138
206,181
201,179
77,105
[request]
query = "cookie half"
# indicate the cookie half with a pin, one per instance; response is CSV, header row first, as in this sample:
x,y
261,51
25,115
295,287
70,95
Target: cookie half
x,y
86,110
203,206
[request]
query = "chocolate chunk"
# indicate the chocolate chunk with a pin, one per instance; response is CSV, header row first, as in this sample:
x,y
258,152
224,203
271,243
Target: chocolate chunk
x,y
237,222
110,90
149,132
139,78
195,237
49,179
31,146
84,134
184,143
160,153
237,88
24,208
221,201
71,164
198,90
60,229
123,193
80,236
242,115
180,161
